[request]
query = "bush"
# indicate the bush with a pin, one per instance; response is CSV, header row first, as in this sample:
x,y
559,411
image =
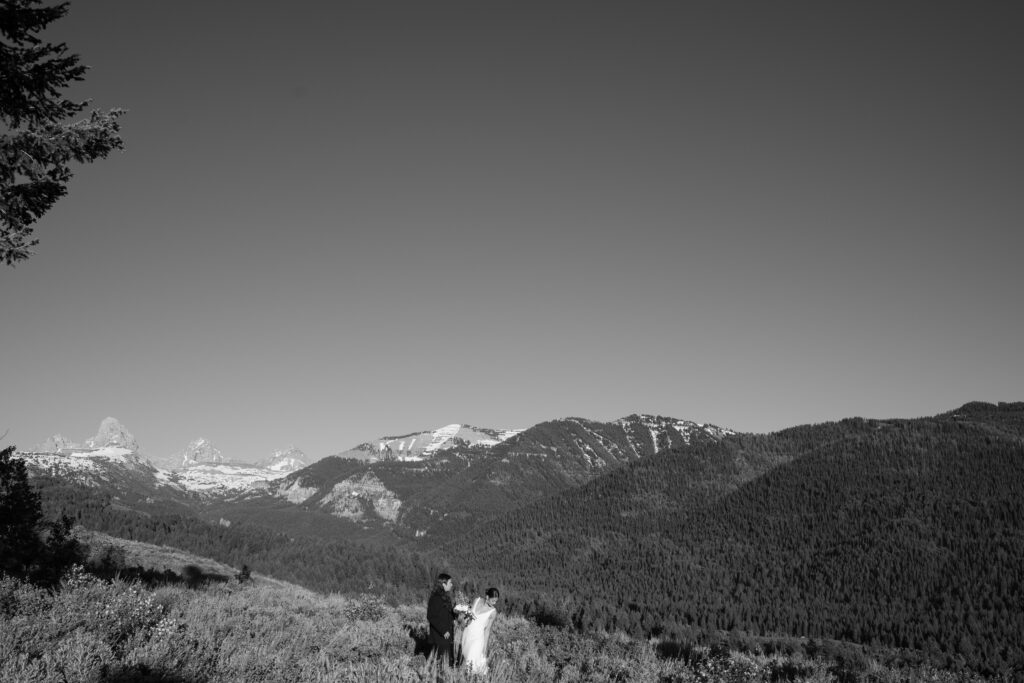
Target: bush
x,y
114,611
367,607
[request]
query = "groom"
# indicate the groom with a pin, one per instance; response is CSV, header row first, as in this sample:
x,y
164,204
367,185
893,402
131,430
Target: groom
x,y
441,616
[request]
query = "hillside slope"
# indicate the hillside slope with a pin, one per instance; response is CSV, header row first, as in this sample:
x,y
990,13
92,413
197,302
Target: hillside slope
x,y
908,533
459,486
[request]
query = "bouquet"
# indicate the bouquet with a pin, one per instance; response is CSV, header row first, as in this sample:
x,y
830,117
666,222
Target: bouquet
x,y
463,612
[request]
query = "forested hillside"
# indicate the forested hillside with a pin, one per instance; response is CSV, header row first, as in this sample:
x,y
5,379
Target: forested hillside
x,y
312,561
902,533
458,487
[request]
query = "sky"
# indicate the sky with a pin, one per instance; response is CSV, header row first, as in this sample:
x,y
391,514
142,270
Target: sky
x,y
334,221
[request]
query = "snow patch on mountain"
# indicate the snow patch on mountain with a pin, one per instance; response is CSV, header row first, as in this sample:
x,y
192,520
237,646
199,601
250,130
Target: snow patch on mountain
x,y
286,465
286,460
660,431
428,444
110,455
689,429
110,466
418,446
55,444
205,470
441,437
503,435
80,465
224,479
111,458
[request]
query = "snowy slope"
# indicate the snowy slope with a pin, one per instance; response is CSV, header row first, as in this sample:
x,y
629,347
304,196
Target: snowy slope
x,y
223,479
425,445
286,460
111,459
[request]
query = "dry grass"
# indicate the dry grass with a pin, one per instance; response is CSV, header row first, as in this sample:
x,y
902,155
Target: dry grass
x,y
92,631
161,558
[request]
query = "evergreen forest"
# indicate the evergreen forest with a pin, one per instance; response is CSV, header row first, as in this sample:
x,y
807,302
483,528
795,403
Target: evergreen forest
x,y
901,534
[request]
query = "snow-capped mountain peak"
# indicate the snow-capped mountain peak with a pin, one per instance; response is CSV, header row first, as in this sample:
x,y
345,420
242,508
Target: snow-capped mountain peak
x,y
286,460
111,455
657,427
112,433
55,444
201,452
111,459
427,444
441,437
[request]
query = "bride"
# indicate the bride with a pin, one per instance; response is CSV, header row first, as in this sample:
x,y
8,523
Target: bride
x,y
478,631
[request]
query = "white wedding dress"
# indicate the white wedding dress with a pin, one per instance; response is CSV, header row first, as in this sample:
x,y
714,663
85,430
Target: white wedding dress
x,y
476,634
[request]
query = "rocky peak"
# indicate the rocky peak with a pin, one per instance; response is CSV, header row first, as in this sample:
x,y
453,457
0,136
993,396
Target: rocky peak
x,y
55,444
113,434
286,460
201,452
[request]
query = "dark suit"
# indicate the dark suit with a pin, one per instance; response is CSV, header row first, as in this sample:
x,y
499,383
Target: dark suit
x,y
441,618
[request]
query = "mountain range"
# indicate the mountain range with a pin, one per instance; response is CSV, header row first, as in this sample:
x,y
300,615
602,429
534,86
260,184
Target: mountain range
x,y
441,489
423,445
112,459
906,535
407,486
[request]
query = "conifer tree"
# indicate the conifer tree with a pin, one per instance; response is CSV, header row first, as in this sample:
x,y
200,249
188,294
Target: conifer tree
x,y
31,547
20,516
37,142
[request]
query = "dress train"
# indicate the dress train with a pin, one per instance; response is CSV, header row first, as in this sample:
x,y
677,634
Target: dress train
x,y
475,636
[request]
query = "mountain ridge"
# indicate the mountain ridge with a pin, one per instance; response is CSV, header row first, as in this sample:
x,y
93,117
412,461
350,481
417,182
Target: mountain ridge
x,y
464,482
909,533
456,473
427,443
112,458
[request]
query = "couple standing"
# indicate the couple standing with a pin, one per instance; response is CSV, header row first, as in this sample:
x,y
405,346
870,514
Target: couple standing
x,y
441,615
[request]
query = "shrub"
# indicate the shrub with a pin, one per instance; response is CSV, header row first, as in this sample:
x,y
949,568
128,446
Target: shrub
x,y
367,607
19,597
93,630
113,611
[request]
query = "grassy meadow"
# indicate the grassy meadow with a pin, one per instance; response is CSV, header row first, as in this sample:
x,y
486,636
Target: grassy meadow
x,y
90,630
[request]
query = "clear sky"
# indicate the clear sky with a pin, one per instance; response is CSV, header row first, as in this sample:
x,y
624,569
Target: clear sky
x,y
334,221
